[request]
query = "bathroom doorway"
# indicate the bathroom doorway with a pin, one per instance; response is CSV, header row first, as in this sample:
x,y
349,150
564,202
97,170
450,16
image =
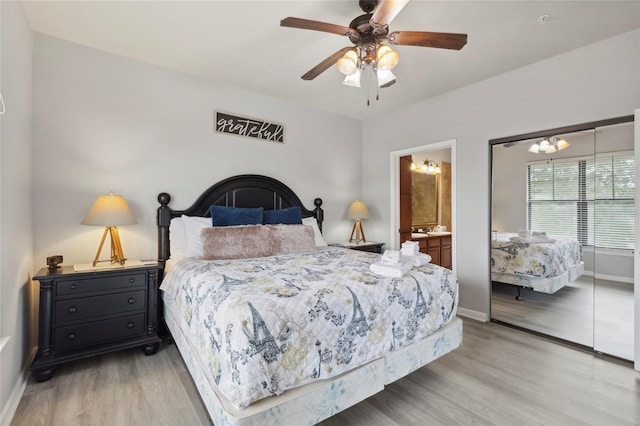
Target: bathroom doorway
x,y
441,155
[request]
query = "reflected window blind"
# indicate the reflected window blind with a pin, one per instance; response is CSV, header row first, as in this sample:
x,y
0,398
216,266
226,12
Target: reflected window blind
x,y
589,199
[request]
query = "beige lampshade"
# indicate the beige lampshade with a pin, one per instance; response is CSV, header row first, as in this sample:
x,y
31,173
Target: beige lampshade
x,y
358,210
348,63
109,210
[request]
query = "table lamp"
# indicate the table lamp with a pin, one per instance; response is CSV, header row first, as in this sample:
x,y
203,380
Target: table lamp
x,y
357,210
110,211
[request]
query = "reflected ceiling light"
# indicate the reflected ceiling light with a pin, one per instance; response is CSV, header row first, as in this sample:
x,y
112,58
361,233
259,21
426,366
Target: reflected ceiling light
x,y
549,146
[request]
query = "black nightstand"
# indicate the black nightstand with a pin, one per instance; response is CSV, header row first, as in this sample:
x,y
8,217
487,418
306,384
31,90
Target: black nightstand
x,y
91,313
368,246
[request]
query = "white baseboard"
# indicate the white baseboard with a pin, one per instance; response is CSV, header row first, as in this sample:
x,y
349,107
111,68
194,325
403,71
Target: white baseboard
x,y
470,313
618,278
14,400
9,410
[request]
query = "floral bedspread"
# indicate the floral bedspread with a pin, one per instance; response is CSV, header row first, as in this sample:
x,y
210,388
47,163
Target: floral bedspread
x,y
269,324
540,260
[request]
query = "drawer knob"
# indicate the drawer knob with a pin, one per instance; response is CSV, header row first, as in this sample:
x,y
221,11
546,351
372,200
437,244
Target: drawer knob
x,y
73,286
71,336
132,301
131,324
72,310
131,280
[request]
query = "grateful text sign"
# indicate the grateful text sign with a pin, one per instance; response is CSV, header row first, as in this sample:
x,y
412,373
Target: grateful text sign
x,y
249,127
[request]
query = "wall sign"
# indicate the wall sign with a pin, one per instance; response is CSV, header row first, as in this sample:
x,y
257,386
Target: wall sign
x,y
249,127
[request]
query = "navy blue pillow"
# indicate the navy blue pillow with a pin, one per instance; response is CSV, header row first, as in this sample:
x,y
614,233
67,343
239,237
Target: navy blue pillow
x,y
290,216
229,216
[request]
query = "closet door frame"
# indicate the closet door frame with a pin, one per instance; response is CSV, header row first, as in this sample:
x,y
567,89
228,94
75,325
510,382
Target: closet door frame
x,y
636,262
570,129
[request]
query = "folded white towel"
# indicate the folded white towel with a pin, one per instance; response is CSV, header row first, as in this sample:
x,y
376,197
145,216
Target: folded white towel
x,y
391,256
410,248
418,260
524,233
390,270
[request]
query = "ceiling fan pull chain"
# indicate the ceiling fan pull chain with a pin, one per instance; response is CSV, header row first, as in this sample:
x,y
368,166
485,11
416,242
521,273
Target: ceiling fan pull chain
x,y
368,86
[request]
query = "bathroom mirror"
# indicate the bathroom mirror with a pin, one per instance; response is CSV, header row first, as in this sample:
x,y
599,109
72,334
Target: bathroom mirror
x,y
424,200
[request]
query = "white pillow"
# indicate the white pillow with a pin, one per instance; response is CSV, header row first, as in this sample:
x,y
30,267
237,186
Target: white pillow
x,y
193,226
311,221
177,238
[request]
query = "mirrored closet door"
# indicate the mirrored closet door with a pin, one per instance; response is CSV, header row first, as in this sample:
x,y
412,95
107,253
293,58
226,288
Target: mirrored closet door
x,y
562,235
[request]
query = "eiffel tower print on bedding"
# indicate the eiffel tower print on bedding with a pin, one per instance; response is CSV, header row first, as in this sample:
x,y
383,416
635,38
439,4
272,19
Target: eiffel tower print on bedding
x,y
265,325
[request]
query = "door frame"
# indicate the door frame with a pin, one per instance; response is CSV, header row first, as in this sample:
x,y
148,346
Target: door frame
x,y
636,262
394,191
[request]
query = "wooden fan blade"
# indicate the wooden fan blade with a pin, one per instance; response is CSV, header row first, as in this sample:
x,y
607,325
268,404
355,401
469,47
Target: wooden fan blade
x,y
427,39
391,83
324,65
307,24
386,11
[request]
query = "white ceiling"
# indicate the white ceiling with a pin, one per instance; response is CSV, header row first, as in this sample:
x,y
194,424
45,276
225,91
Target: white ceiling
x,y
242,43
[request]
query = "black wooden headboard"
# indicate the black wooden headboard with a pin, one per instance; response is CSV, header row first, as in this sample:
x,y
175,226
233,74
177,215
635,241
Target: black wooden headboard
x,y
236,191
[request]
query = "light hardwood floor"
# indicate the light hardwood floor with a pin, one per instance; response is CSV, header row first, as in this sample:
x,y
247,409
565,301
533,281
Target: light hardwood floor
x,y
595,313
499,376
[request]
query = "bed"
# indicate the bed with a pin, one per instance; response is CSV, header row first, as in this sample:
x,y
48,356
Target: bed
x,y
294,338
543,266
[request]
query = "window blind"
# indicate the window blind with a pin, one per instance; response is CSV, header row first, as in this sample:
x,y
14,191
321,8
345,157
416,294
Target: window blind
x,y
590,199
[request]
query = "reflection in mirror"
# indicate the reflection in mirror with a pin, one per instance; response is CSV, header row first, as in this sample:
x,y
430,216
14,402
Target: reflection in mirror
x,y
431,190
562,235
424,200
539,192
613,240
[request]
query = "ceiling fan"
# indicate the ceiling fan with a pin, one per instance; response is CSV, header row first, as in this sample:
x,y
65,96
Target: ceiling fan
x,y
371,38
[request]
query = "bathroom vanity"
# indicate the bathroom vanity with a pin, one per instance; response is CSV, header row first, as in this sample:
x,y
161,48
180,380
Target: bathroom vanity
x,y
435,244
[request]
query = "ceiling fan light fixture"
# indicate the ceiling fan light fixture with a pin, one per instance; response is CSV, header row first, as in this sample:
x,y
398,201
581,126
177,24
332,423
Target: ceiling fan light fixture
x,y
387,58
348,64
535,148
562,144
352,80
544,145
384,77
549,146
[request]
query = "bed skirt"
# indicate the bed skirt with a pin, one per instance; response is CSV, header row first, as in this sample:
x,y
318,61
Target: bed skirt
x,y
545,285
317,401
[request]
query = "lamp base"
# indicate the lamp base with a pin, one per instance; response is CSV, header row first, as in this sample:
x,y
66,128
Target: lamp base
x,y
117,255
357,229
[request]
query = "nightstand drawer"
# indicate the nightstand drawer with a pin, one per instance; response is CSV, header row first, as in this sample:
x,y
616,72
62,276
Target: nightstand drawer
x,y
87,334
98,306
65,288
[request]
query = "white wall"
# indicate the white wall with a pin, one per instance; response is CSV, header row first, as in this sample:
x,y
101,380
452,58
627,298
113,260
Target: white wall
x,y
103,122
16,246
592,83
